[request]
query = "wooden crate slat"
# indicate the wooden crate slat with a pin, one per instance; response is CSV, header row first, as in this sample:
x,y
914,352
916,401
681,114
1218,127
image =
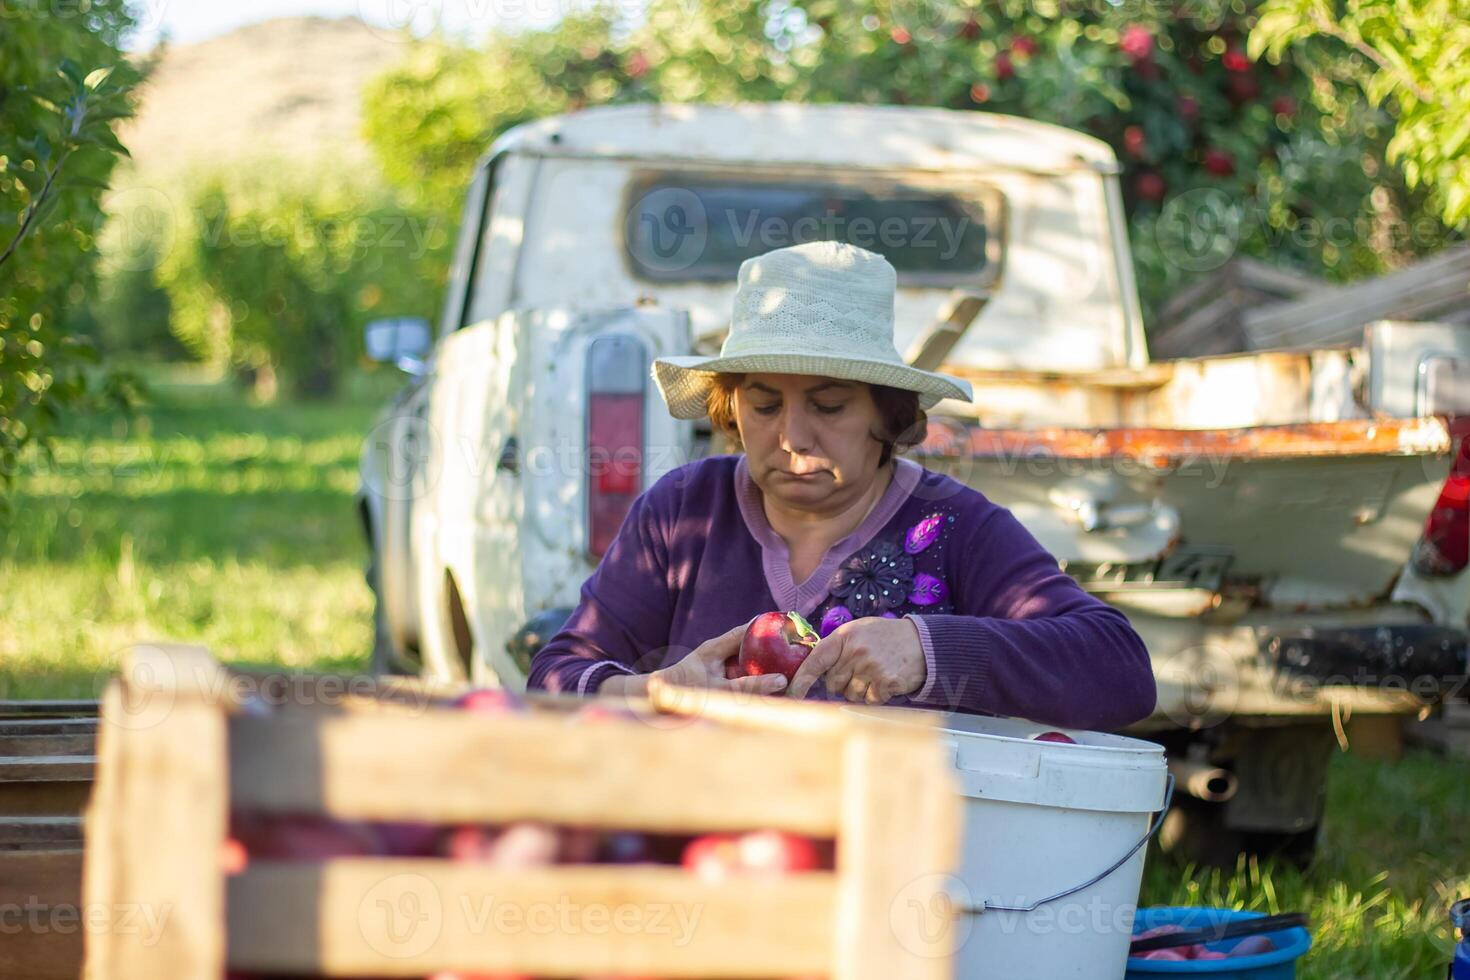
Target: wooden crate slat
x,y
44,708
159,816
39,830
47,744
44,799
51,876
47,726
365,917
464,767
893,907
46,768
42,886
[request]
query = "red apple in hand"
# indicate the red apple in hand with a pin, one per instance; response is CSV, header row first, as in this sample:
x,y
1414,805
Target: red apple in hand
x,y
776,643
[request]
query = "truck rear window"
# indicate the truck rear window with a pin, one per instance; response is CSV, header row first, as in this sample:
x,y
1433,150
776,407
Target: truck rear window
x,y
680,228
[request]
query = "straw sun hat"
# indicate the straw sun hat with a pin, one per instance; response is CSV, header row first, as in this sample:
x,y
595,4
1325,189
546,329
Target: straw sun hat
x,y
821,308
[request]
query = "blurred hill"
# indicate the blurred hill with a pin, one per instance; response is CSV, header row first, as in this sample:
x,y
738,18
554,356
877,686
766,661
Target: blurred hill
x,y
286,88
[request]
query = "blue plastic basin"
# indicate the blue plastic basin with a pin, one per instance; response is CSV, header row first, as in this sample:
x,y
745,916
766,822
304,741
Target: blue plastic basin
x,y
1280,964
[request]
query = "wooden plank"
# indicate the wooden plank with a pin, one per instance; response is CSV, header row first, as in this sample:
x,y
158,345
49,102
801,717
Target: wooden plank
x,y
40,799
154,835
46,768
33,744
42,708
47,726
893,898
455,767
41,892
50,876
366,917
57,831
1338,315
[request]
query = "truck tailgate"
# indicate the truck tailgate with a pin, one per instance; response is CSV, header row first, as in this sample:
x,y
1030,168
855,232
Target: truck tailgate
x,y
1299,517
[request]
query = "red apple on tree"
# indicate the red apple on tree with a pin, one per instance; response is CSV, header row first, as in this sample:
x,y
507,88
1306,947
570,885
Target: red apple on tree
x,y
1242,88
1135,142
1149,186
1219,163
776,643
1005,69
1136,42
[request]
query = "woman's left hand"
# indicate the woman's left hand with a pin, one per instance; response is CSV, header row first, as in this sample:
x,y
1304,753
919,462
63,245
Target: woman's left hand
x,y
870,659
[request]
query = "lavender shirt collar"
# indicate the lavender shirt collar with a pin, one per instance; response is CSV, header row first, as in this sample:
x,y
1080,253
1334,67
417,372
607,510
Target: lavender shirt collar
x,y
776,558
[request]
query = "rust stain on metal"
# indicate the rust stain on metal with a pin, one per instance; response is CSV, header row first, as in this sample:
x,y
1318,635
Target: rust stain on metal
x,y
1163,447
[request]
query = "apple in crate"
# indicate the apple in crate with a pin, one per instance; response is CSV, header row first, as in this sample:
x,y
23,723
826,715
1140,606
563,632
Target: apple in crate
x,y
776,643
489,701
520,845
717,857
1054,737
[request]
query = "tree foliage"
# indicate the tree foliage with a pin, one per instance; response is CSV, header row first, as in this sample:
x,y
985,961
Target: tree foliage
x,y
63,85
274,274
1270,151
1414,54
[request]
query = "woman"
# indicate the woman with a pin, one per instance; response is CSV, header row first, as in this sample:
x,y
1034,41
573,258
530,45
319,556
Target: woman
x,y
924,592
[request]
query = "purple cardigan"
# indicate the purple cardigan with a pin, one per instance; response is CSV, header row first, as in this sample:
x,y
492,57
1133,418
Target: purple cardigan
x,y
1003,629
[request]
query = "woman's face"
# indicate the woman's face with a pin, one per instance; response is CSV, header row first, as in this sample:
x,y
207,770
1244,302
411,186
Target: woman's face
x,y
809,441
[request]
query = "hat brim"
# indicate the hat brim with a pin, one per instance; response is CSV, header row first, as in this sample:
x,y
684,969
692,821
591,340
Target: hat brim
x,y
685,381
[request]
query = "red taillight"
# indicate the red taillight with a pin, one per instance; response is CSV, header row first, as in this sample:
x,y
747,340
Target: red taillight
x,y
1444,547
617,369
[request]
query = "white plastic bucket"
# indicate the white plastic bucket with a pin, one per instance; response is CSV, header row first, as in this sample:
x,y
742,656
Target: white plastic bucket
x,y
1043,818
1044,824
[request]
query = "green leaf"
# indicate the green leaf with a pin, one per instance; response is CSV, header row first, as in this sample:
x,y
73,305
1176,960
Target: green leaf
x,y
88,182
33,180
97,76
107,138
70,70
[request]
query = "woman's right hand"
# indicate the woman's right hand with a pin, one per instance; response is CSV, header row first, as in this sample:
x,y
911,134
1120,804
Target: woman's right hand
x,y
702,667
705,667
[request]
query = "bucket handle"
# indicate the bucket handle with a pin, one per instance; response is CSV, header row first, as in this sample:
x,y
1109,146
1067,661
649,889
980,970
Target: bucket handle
x,y
1156,823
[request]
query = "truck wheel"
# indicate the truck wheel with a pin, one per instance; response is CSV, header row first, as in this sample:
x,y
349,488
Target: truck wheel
x,y
386,657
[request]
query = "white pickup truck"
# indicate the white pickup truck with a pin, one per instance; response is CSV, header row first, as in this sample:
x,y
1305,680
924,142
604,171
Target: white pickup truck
x,y
1254,515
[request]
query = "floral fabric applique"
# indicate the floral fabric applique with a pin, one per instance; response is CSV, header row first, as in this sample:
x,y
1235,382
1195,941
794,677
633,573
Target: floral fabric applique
x,y
882,578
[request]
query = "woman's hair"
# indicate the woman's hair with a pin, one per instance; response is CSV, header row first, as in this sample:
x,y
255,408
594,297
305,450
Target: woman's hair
x,y
902,422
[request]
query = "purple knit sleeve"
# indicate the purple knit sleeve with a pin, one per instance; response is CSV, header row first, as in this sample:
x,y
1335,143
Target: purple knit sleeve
x,y
622,622
1026,640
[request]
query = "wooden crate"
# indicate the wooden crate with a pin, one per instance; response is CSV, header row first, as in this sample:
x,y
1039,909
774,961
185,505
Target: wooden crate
x,y
46,758
176,754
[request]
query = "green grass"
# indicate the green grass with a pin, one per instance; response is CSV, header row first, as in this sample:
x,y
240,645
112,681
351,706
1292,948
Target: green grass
x,y
202,519
1394,853
212,521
